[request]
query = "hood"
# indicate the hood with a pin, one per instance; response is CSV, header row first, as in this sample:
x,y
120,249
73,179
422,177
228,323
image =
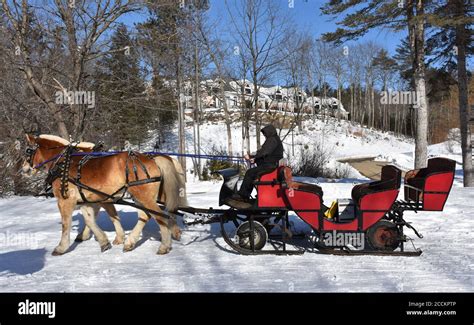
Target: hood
x,y
269,131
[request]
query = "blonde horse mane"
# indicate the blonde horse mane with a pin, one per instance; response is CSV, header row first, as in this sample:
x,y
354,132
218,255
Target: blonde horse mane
x,y
84,146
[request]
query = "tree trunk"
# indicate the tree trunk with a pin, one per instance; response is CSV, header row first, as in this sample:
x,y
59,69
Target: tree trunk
x,y
461,43
417,37
46,98
228,121
257,117
197,138
181,129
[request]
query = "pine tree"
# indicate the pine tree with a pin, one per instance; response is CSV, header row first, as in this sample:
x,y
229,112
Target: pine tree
x,y
121,90
451,43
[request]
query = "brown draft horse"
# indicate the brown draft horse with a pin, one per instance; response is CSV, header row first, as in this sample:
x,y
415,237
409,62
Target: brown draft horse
x,y
88,209
108,175
170,168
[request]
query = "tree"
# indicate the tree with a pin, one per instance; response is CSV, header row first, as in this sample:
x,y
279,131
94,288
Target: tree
x,y
122,91
209,40
451,42
259,29
385,68
71,33
167,27
395,15
463,39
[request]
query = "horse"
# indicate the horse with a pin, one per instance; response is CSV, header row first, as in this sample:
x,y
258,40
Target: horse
x,y
170,168
102,180
87,209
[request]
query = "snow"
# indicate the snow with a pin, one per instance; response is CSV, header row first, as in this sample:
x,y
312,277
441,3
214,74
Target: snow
x,y
340,139
201,261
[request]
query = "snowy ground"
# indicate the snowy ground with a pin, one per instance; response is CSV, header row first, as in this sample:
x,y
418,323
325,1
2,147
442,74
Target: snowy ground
x,y
202,262
30,229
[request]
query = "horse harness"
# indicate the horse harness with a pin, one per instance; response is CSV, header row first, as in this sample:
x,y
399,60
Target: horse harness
x,y
61,168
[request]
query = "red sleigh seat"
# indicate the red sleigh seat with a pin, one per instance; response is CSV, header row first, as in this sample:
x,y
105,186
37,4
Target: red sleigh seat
x,y
277,189
373,200
269,189
306,200
430,186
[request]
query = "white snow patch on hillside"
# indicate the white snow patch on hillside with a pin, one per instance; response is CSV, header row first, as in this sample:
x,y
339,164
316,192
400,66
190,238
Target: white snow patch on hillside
x,y
340,139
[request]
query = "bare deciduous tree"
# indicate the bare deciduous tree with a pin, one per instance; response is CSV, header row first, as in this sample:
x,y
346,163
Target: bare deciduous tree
x,y
74,31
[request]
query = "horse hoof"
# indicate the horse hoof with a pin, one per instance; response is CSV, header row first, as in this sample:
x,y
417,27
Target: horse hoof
x,y
56,253
128,248
105,247
163,250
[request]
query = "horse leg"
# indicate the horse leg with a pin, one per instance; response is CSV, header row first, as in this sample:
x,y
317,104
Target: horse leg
x,y
90,212
143,217
66,208
164,224
86,232
175,231
132,238
114,217
165,246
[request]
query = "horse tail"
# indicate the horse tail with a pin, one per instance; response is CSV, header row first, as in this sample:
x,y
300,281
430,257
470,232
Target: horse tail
x,y
170,185
183,200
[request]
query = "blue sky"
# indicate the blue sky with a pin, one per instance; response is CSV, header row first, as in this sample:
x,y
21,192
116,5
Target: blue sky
x,y
307,15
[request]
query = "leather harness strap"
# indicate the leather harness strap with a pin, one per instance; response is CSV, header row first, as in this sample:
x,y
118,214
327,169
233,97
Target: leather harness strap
x,y
61,169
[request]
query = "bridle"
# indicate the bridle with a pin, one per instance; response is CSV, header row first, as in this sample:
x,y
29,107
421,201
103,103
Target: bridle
x,y
31,152
57,169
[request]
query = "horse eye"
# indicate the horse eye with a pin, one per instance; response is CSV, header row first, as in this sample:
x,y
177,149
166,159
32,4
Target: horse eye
x,y
29,151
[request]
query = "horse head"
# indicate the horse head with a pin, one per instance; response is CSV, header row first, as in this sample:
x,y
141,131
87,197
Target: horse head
x,y
45,147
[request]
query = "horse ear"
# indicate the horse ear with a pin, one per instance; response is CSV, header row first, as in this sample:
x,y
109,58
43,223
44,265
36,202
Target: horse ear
x,y
31,139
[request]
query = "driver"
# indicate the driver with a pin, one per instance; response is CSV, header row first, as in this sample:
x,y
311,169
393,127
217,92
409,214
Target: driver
x,y
266,158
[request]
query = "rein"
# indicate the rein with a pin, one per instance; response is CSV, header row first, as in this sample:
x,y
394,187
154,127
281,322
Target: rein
x,y
47,161
60,169
158,153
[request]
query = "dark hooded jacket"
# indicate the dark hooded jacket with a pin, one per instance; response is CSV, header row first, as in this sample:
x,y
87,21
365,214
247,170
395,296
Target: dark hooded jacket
x,y
272,149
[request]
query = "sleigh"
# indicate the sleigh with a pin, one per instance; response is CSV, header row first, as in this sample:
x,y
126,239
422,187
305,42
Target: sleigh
x,y
373,212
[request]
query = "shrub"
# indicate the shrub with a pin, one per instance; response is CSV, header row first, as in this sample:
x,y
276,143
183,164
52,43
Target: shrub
x,y
311,162
212,166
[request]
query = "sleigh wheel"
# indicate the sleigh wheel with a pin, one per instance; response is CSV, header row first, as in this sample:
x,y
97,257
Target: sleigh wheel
x,y
383,235
244,235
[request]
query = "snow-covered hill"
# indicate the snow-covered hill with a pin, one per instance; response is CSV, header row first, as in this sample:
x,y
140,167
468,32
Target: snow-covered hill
x,y
341,140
